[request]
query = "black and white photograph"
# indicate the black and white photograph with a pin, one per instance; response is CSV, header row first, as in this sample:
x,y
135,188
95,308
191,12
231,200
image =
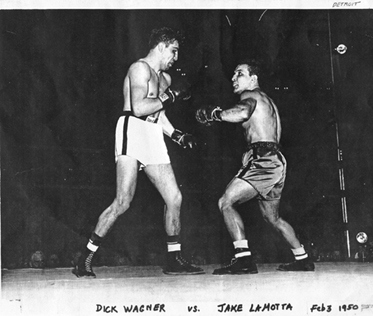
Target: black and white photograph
x,y
202,158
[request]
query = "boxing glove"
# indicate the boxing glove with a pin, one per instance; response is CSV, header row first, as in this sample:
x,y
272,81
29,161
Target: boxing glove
x,y
183,139
175,93
208,115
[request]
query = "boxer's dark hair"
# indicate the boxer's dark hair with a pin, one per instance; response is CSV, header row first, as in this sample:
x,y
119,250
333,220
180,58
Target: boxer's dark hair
x,y
165,35
254,66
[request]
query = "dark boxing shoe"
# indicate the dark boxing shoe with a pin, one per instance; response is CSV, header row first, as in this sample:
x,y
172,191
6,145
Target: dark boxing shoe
x,y
83,269
177,265
298,265
241,265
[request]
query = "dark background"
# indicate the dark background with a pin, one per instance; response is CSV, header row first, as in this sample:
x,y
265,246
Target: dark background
x,y
61,93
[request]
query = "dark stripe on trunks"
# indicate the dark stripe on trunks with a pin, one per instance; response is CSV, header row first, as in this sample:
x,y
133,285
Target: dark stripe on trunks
x,y
125,139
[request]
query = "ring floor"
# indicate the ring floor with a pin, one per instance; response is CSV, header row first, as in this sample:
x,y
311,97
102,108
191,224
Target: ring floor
x,y
335,288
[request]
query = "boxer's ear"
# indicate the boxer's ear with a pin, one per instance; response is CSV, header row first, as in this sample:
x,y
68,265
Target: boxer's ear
x,y
161,46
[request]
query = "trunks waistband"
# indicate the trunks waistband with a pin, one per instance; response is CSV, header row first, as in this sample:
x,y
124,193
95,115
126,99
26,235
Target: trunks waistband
x,y
269,145
264,148
144,118
129,113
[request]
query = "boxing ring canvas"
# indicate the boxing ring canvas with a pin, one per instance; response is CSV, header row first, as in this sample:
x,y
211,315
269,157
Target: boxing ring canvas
x,y
62,74
334,289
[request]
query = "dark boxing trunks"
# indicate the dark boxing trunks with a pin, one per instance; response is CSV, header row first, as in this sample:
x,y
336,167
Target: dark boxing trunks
x,y
264,167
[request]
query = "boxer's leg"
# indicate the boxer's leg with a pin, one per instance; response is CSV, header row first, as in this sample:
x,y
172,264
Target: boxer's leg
x,y
270,213
237,192
163,178
127,169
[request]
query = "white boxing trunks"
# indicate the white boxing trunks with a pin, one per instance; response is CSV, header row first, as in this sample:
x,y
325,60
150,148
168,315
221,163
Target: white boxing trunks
x,y
141,140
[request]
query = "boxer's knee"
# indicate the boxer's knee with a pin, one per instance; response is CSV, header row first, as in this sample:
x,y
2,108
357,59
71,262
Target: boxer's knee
x,y
174,200
225,204
121,205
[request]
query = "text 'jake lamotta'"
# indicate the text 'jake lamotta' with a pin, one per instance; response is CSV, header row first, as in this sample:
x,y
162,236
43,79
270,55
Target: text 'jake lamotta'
x,y
254,307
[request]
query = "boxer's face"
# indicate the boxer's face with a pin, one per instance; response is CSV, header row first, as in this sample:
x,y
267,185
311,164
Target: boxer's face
x,y
241,79
170,54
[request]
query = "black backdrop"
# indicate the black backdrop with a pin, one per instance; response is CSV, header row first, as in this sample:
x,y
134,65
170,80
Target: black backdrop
x,y
61,92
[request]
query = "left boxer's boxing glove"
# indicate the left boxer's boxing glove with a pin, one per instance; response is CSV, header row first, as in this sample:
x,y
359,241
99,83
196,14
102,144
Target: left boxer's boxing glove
x,y
175,93
183,139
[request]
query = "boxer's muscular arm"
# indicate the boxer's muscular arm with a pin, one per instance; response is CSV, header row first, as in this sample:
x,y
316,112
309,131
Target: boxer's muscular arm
x,y
168,129
241,112
143,103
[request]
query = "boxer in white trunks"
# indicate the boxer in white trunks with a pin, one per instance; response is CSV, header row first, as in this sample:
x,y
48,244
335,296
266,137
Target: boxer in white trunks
x,y
139,144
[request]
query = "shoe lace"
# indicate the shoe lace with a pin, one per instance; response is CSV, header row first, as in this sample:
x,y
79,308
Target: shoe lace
x,y
233,261
88,262
182,261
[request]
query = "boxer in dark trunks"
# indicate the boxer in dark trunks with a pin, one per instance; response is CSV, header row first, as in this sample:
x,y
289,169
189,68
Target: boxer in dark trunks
x,y
262,174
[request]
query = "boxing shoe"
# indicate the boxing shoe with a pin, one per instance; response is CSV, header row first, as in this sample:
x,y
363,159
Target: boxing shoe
x,y
298,265
84,266
241,265
176,264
